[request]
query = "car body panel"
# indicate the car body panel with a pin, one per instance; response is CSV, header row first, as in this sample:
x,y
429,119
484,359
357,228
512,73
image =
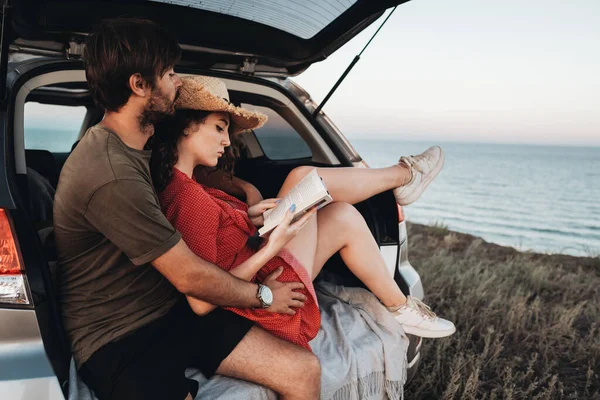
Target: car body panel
x,y
25,371
31,389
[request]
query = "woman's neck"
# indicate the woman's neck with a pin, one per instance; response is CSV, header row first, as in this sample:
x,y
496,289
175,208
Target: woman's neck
x,y
185,165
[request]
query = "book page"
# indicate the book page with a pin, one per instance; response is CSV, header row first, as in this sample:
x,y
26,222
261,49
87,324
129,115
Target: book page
x,y
306,190
309,191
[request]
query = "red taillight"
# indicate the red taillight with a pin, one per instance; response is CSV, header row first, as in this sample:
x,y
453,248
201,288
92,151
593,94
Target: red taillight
x,y
400,213
9,258
12,280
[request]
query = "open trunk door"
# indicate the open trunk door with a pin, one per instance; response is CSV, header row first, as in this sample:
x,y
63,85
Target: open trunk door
x,y
278,37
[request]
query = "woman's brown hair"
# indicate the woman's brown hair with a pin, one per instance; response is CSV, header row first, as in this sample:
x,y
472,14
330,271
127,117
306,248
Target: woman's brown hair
x,y
164,146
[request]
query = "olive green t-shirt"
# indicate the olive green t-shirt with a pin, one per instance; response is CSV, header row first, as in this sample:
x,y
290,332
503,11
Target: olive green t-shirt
x,y
109,227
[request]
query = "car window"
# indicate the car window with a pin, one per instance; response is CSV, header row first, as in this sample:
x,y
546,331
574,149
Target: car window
x,y
278,139
52,127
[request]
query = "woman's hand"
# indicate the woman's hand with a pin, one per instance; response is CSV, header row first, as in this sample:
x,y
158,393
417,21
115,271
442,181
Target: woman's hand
x,y
286,231
255,213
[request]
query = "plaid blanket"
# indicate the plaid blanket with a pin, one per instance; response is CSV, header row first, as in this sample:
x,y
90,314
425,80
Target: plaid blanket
x,y
361,348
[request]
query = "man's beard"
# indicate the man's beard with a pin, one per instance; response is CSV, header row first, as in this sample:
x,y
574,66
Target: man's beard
x,y
158,108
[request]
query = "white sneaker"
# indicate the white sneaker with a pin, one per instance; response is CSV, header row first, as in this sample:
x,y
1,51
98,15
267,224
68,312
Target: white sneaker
x,y
424,167
417,319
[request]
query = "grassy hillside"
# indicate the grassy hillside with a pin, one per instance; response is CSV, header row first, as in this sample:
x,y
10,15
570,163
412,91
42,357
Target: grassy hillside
x,y
528,325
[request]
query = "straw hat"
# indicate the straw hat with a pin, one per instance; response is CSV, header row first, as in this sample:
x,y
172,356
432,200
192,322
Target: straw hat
x,y
210,94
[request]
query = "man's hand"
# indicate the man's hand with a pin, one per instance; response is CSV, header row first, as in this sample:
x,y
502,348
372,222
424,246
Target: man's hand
x,y
284,295
230,185
255,212
253,195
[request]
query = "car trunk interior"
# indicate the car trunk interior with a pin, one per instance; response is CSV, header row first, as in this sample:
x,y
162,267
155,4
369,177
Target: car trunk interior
x,y
265,173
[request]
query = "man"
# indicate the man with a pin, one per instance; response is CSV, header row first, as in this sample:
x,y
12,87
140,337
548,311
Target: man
x,y
124,270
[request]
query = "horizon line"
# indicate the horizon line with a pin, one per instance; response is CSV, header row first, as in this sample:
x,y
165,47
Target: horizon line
x,y
467,141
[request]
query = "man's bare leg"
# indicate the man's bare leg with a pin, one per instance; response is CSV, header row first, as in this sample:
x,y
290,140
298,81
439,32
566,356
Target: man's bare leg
x,y
290,370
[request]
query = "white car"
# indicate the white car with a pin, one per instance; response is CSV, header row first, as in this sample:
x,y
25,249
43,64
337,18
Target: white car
x,y
259,46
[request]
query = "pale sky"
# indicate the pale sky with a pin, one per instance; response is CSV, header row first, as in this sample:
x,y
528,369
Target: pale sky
x,y
516,71
511,71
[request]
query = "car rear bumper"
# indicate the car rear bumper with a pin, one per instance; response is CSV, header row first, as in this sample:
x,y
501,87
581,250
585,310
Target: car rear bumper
x,y
25,371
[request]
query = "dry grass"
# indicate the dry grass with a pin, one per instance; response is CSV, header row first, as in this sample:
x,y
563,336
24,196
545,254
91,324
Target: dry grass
x,y
438,229
528,325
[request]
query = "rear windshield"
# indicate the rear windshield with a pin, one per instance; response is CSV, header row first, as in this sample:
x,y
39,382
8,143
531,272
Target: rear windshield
x,y
302,18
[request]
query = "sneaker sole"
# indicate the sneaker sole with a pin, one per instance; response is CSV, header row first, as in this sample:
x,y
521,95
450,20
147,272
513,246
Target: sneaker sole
x,y
434,172
426,333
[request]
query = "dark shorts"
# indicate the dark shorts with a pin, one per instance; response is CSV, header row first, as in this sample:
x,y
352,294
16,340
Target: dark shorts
x,y
150,363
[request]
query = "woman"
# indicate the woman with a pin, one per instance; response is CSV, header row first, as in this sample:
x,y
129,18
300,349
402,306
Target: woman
x,y
222,229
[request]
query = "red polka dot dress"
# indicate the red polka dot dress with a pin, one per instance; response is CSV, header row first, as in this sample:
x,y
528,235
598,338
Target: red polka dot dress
x,y
216,227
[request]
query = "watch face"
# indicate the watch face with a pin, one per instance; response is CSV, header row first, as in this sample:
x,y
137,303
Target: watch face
x,y
267,295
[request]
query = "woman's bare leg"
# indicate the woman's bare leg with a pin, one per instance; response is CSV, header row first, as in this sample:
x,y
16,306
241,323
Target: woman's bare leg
x,y
353,185
340,227
348,185
304,246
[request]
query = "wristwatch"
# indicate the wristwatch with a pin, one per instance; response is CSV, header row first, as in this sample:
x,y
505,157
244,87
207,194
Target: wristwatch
x,y
264,295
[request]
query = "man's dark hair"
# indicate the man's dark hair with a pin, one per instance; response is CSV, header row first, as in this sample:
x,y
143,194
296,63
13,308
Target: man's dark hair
x,y
118,48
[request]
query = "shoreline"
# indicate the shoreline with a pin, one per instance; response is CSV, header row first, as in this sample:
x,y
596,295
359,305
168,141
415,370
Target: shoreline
x,y
440,237
575,250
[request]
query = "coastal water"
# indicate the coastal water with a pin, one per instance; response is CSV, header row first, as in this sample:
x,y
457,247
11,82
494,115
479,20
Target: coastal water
x,y
539,198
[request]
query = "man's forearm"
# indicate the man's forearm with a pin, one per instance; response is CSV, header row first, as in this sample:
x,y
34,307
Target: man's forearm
x,y
223,289
218,179
203,280
245,271
233,186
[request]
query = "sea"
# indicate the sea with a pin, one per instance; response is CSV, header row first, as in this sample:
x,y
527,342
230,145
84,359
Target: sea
x,y
534,198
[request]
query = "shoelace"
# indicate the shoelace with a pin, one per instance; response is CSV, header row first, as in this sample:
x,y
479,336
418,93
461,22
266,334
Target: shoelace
x,y
422,307
411,162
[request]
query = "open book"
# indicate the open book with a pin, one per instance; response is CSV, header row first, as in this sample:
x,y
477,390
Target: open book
x,y
309,192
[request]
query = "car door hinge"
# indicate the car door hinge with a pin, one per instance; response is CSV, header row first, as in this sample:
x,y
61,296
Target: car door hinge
x,y
249,66
75,49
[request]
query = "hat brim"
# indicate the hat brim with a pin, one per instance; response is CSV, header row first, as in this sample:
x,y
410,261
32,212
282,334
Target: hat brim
x,y
194,96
